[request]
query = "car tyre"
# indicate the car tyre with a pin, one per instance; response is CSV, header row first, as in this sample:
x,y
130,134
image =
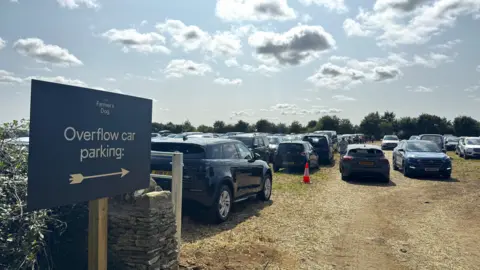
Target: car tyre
x,y
394,165
266,191
406,171
220,210
446,176
345,177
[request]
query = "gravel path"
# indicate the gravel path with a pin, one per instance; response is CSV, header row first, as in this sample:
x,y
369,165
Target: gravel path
x,y
332,224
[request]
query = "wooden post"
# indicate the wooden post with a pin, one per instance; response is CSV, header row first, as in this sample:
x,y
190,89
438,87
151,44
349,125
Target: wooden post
x,y
97,234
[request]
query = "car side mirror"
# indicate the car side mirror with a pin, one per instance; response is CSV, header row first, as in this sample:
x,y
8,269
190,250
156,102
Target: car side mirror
x,y
401,150
254,146
444,151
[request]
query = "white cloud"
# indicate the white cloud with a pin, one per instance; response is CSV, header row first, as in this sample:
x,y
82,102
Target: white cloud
x,y
110,79
447,45
46,53
433,60
420,89
178,68
298,45
225,81
9,78
472,88
262,69
58,79
478,68
144,22
46,69
306,18
353,28
232,62
3,43
191,37
131,39
243,113
333,5
73,4
342,98
248,10
399,22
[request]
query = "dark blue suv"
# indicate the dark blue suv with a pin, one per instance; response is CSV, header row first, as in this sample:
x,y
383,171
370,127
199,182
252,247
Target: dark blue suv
x,y
421,157
216,172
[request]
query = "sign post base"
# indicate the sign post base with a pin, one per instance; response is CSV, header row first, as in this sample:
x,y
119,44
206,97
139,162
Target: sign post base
x,y
97,234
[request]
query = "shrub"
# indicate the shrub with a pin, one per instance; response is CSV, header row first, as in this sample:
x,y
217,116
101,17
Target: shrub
x,y
22,234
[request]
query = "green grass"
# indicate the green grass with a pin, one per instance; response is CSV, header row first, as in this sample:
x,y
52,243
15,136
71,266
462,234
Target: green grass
x,y
293,182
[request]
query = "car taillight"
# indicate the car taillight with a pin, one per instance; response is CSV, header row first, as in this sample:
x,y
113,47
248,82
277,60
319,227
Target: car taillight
x,y
384,160
347,158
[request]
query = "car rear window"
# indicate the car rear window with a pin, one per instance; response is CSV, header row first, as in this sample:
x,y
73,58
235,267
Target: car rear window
x,y
365,152
291,147
248,141
391,138
435,139
316,141
189,150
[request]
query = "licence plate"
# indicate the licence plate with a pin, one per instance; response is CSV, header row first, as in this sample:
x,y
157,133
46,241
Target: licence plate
x,y
289,163
369,163
431,169
162,172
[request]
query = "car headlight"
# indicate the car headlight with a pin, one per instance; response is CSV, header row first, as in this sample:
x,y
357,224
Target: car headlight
x,y
469,149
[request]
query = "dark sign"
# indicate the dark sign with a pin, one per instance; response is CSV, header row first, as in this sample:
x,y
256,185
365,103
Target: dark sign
x,y
85,144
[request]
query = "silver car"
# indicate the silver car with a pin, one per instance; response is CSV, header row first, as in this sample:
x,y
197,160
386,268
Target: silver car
x,y
364,160
469,147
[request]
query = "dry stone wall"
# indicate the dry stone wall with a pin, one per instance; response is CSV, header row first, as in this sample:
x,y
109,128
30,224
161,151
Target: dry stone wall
x,y
142,231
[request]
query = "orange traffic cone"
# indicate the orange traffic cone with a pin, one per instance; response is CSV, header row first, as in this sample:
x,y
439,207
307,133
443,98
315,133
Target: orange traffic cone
x,y
306,174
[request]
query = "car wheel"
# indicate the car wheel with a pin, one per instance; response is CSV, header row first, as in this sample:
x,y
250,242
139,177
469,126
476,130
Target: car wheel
x,y
275,167
223,205
345,177
266,191
406,170
465,156
446,176
386,179
394,165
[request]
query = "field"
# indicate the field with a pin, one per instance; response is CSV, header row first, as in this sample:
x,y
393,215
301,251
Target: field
x,y
332,224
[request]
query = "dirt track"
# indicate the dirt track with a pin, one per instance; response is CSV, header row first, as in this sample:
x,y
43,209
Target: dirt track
x,y
332,224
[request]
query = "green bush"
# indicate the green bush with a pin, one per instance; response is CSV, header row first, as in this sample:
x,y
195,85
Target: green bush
x,y
22,234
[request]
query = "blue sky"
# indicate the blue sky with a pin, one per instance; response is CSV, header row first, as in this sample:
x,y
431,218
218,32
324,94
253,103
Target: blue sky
x,y
239,59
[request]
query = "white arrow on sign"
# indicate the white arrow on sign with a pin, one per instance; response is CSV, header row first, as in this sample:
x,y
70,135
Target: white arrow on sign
x,y
78,178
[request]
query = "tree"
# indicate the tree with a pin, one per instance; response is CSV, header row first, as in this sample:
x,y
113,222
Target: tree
x,y
204,129
219,127
407,126
296,127
263,125
328,122
241,126
311,125
345,127
466,126
370,125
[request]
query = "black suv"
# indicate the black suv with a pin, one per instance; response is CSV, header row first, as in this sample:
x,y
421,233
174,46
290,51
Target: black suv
x,y
216,173
321,145
258,143
295,154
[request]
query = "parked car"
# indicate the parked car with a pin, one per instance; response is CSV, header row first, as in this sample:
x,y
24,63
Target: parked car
x,y
451,142
332,136
321,145
273,142
216,173
469,147
435,138
295,154
364,160
421,157
258,143
414,137
389,142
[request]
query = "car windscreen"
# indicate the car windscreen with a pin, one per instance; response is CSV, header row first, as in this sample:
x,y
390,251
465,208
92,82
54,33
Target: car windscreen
x,y
189,150
453,139
473,141
422,146
391,138
290,148
317,141
274,140
435,139
365,152
248,141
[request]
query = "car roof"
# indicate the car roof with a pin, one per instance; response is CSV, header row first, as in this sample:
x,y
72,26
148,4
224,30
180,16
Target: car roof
x,y
247,135
293,142
198,141
438,135
363,146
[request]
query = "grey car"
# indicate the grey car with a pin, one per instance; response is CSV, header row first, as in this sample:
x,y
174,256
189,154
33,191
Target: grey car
x,y
365,160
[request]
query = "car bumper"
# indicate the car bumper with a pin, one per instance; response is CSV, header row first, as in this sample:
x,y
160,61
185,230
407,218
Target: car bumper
x,y
201,194
450,147
388,146
420,170
364,172
472,154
